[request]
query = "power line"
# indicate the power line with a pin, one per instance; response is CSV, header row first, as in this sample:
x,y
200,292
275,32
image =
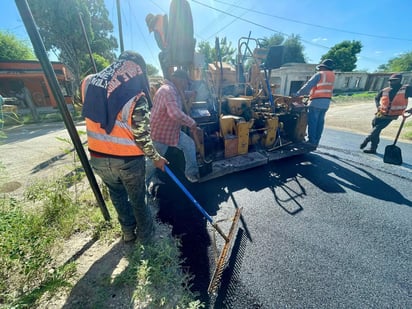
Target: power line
x,y
268,28
223,28
318,26
257,24
158,6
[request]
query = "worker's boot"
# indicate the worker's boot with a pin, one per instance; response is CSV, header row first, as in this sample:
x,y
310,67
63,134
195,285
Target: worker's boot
x,y
371,150
364,143
129,235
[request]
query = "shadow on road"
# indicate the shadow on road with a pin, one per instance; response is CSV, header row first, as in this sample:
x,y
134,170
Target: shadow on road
x,y
334,177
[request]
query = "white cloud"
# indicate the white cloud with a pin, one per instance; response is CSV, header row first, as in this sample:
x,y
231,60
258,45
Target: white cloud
x,y
316,40
399,54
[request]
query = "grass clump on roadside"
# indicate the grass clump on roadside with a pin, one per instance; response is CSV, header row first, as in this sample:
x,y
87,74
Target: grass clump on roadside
x,y
158,277
26,261
33,230
358,96
407,132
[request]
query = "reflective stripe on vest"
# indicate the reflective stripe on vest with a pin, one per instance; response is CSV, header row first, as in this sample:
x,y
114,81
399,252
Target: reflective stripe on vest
x,y
120,142
324,88
398,105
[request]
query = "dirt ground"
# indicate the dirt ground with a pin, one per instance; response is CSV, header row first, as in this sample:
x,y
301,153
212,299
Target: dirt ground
x,y
97,261
357,117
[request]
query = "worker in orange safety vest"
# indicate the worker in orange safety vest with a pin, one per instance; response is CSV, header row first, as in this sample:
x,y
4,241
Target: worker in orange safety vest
x,y
320,90
116,109
391,102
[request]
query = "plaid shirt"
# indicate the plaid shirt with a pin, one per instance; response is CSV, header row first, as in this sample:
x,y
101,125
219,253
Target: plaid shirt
x,y
167,117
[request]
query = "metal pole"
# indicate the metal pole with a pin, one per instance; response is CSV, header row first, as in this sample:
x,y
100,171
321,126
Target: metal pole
x,y
87,43
119,21
41,54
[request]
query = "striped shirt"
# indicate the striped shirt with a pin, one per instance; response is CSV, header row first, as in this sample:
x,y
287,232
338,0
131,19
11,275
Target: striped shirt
x,y
167,116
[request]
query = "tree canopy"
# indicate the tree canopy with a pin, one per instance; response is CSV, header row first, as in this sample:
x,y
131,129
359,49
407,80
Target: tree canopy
x,y
344,55
398,64
293,48
60,25
226,50
151,70
12,48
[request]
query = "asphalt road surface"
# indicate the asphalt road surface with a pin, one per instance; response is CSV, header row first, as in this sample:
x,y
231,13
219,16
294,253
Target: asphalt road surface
x,y
330,229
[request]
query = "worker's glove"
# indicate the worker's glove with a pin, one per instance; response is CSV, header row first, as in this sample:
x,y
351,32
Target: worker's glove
x,y
378,114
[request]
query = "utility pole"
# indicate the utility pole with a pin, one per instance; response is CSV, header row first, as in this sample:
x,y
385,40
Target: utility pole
x,y
119,21
51,78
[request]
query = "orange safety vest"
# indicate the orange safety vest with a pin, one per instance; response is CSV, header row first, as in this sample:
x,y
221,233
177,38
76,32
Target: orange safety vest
x,y
398,104
324,88
120,141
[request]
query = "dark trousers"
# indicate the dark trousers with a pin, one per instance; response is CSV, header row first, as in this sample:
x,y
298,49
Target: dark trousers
x,y
125,180
378,124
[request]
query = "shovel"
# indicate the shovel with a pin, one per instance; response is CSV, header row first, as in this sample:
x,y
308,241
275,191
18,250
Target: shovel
x,y
393,154
229,238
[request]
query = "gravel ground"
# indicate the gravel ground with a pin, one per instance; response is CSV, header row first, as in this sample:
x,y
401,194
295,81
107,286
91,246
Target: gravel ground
x,y
357,117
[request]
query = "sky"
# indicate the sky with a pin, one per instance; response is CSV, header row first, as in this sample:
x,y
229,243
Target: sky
x,y
382,26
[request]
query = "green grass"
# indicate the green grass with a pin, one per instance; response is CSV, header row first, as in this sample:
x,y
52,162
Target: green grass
x,y
33,229
407,131
157,276
26,242
361,96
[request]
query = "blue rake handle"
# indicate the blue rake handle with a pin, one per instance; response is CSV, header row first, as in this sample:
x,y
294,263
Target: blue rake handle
x,y
196,203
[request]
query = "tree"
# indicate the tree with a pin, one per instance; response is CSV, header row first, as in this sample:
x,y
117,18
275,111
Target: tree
x,y
293,48
151,70
103,41
398,64
99,61
344,55
226,50
13,49
275,39
382,68
60,27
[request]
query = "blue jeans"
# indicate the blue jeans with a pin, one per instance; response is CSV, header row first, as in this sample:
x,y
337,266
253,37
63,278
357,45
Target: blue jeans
x,y
125,179
316,122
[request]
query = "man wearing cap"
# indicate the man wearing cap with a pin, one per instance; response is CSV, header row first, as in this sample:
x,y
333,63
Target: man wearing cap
x,y
320,89
158,24
167,118
391,102
116,108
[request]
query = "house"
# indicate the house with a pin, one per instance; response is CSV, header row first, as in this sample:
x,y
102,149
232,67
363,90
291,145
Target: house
x,y
18,76
287,79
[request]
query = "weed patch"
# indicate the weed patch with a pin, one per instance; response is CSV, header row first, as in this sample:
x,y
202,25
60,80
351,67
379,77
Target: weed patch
x,y
33,230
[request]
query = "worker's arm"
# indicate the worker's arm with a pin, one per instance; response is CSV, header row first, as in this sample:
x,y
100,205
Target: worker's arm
x,y
312,82
141,132
378,99
408,91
